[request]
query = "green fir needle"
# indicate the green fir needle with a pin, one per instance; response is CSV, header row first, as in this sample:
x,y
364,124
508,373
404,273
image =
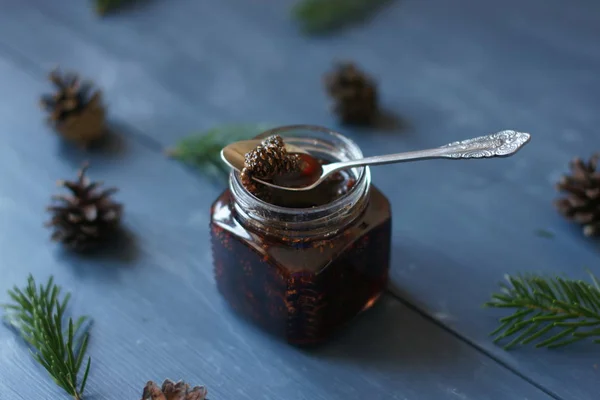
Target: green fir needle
x,y
202,150
321,16
38,314
552,312
107,6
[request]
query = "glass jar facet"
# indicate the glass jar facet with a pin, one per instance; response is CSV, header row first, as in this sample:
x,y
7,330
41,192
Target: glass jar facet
x,y
302,273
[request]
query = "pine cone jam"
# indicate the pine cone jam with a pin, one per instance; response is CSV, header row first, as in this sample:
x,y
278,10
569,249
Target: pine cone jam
x,y
267,161
303,264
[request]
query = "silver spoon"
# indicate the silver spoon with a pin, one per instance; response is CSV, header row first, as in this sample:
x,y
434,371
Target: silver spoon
x,y
500,144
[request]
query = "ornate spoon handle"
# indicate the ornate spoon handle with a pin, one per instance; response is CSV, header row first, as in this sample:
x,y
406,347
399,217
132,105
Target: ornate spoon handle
x,y
500,144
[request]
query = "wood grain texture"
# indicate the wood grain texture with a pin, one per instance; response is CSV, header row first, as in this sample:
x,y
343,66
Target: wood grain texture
x,y
450,72
153,300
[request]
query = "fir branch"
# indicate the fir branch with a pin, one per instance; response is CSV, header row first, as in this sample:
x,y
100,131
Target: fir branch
x,y
38,315
203,150
321,16
552,312
108,6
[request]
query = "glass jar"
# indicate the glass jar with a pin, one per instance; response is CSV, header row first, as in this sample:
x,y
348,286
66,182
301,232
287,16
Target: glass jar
x,y
302,272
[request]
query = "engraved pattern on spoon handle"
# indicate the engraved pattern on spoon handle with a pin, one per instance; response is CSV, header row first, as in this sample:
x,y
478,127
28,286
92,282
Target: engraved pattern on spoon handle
x,y
499,144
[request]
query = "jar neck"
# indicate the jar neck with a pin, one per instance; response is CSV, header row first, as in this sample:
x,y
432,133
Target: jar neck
x,y
300,223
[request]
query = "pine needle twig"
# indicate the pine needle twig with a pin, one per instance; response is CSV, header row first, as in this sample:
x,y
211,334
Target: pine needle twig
x,y
38,315
321,16
203,150
108,6
552,312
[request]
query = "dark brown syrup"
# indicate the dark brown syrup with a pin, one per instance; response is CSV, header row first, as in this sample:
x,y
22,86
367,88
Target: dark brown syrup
x,y
302,291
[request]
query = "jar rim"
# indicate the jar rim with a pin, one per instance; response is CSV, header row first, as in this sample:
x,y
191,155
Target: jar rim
x,y
315,128
320,220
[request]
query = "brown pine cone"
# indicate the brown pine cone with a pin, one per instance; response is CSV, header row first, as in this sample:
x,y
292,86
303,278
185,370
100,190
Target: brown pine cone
x,y
173,391
354,94
266,161
270,159
87,217
75,110
581,203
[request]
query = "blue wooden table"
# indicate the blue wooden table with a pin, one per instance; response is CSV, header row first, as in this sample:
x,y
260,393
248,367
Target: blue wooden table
x,y
450,70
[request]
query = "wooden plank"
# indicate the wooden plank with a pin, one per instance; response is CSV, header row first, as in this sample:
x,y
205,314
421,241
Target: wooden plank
x,y
215,91
154,302
508,65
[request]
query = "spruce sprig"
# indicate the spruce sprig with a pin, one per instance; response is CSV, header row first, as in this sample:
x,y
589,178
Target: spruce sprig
x,y
38,315
552,312
203,150
108,6
322,16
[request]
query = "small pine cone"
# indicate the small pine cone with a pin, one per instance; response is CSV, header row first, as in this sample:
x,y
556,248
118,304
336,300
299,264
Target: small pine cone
x,y
264,161
354,94
270,159
86,218
70,98
75,110
267,160
247,181
274,140
581,203
173,391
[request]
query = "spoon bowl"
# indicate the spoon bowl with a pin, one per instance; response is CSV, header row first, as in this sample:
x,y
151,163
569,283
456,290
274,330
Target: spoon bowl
x,y
500,144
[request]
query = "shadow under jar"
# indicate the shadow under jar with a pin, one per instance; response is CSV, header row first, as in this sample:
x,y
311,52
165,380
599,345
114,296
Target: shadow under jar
x,y
305,263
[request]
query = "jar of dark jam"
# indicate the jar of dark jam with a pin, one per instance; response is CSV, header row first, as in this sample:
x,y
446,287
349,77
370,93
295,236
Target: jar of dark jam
x,y
303,264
